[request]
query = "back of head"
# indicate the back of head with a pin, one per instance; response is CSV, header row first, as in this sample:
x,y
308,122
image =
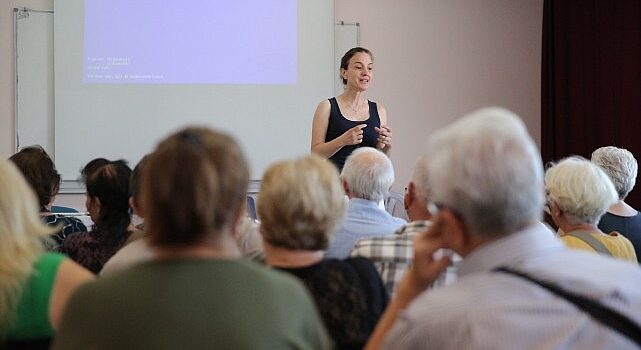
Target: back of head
x,y
39,171
193,187
110,184
21,233
301,203
91,167
486,167
620,166
581,190
369,174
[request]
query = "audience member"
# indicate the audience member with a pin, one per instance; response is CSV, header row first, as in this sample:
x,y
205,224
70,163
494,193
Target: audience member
x,y
34,285
579,192
108,207
486,188
247,237
393,254
92,166
301,203
40,172
367,177
196,293
622,168
137,228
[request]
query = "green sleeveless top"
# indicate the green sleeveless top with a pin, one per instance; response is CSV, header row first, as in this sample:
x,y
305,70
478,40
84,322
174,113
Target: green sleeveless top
x,y
32,319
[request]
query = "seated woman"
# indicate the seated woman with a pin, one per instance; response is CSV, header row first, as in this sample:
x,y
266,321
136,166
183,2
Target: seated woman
x,y
40,172
622,168
301,204
35,285
196,293
579,192
108,206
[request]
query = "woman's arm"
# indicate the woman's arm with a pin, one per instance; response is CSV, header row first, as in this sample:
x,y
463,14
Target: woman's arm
x,y
352,136
384,141
69,277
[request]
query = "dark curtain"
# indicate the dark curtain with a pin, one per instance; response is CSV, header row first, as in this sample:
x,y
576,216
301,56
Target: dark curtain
x,y
591,79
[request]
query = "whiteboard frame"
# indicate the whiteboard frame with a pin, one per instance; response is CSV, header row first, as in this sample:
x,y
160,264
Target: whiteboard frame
x,y
20,13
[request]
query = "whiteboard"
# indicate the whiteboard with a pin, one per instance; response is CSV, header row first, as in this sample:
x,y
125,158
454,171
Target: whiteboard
x,y
34,99
34,80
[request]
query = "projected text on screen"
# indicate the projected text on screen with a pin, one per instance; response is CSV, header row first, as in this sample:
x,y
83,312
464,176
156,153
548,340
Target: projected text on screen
x,y
190,42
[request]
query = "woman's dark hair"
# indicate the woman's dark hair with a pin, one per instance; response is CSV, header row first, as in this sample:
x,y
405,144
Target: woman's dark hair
x,y
348,56
39,171
92,166
202,189
110,185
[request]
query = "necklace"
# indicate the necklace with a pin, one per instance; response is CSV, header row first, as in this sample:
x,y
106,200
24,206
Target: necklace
x,y
356,108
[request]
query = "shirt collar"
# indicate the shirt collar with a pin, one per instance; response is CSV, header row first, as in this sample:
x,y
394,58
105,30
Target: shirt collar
x,y
360,202
505,251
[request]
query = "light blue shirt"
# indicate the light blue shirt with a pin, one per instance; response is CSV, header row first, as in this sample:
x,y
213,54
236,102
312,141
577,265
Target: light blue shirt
x,y
364,219
492,310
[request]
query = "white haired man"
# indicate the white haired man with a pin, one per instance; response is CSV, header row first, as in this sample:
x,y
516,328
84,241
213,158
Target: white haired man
x,y
367,177
486,188
622,169
392,255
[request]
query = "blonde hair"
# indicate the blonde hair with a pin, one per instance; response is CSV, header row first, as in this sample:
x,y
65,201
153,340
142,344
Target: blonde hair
x,y
21,233
301,203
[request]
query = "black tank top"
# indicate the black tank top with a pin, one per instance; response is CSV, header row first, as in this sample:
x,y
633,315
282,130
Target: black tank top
x,y
338,124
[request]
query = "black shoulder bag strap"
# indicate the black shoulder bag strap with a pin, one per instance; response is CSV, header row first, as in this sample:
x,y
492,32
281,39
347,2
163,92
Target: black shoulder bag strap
x,y
600,313
591,241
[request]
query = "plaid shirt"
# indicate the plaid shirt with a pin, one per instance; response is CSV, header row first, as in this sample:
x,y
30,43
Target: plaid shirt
x,y
392,255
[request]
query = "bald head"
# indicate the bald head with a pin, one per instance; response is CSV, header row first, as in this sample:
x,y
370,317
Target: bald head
x,y
368,174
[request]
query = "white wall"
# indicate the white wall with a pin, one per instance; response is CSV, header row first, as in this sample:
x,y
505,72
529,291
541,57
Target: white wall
x,y
435,60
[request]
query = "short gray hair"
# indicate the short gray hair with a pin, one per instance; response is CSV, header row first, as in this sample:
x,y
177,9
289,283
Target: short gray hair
x,y
581,189
620,165
369,174
486,167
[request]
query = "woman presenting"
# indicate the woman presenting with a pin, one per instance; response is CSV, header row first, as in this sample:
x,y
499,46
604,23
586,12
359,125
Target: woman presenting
x,y
348,121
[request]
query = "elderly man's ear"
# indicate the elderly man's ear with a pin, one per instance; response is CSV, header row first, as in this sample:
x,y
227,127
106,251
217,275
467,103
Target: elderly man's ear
x,y
348,193
454,233
410,195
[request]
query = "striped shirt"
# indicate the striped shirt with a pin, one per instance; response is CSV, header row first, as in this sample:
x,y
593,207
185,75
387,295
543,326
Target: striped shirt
x,y
492,310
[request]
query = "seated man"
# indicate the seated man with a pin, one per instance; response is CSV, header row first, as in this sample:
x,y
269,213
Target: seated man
x,y
393,254
367,177
486,185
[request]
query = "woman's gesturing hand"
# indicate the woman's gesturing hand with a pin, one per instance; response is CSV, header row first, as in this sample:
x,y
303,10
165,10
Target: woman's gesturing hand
x,y
353,136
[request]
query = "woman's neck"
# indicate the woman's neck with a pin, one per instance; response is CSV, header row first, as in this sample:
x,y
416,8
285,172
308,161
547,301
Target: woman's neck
x,y
352,96
224,248
567,227
282,257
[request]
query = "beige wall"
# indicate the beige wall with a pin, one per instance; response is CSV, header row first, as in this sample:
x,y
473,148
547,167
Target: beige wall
x,y
435,60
